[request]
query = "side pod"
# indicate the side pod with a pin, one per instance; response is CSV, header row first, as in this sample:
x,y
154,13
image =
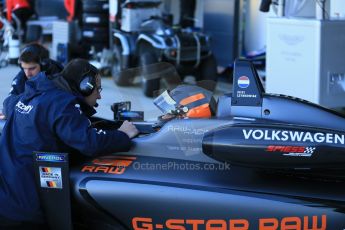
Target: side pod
x,y
275,146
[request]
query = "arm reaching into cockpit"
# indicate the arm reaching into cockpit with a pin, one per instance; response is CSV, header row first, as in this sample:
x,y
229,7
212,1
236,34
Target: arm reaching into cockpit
x,y
129,129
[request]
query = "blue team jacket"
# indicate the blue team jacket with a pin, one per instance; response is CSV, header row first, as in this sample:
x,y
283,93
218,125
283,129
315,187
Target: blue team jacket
x,y
45,118
50,67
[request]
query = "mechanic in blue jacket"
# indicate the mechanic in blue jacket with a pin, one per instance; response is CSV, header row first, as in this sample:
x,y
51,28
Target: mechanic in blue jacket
x,y
33,59
51,115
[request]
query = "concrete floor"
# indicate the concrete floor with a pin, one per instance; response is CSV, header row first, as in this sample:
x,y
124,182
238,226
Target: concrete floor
x,y
110,94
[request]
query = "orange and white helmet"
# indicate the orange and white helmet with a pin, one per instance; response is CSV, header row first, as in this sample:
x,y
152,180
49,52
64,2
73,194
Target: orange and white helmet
x,y
187,100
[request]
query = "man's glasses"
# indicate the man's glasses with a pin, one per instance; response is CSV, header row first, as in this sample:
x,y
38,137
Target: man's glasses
x,y
99,89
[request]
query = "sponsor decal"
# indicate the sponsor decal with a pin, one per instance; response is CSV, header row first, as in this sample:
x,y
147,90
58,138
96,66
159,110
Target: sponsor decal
x,y
51,184
50,177
22,108
50,157
293,136
109,164
293,222
243,82
187,130
300,151
184,148
241,93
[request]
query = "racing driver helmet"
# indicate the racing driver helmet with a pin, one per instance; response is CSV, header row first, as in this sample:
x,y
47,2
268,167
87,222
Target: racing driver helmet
x,y
187,101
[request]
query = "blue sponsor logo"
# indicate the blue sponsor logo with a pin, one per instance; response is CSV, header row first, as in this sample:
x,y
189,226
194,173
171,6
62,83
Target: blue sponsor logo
x,y
50,157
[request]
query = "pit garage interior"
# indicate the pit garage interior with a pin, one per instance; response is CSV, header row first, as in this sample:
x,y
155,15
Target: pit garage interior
x,y
238,29
296,46
297,49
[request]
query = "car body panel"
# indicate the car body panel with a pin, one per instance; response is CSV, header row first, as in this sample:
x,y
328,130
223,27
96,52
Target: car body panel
x,y
229,172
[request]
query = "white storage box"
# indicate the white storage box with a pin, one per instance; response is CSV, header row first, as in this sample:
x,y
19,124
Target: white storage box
x,y
63,33
132,18
306,59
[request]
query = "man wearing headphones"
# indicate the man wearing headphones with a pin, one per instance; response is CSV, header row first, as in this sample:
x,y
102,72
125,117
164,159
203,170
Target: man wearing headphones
x,y
51,115
33,59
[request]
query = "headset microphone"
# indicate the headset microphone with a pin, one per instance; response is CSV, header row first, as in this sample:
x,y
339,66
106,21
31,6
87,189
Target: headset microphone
x,y
96,105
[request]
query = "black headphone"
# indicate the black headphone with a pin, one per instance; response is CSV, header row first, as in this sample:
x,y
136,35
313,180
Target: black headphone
x,y
88,81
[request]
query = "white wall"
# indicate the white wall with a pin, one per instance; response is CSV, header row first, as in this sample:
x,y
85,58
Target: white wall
x,y
337,9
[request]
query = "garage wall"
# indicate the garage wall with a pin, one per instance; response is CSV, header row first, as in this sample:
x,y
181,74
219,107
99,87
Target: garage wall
x,y
255,27
221,22
337,10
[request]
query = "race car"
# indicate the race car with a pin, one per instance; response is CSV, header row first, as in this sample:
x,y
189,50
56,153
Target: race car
x,y
262,161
